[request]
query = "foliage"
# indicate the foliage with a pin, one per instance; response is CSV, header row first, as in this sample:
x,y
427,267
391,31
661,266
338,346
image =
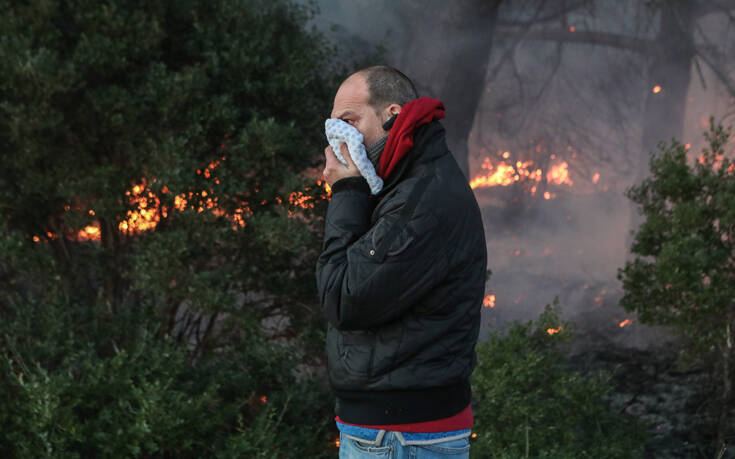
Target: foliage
x,y
212,109
79,385
683,273
158,234
530,404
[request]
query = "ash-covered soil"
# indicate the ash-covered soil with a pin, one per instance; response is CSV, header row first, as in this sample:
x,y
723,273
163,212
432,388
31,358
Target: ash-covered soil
x,y
653,385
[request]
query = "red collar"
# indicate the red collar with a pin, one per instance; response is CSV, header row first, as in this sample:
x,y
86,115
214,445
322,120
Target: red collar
x,y
400,139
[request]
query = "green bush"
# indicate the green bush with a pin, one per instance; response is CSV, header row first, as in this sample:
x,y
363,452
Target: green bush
x,y
682,272
76,386
151,228
530,404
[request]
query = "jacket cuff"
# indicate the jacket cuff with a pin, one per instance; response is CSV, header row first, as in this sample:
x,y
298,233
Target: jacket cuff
x,y
351,183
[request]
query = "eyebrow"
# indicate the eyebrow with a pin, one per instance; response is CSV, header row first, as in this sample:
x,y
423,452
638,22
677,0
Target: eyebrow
x,y
345,113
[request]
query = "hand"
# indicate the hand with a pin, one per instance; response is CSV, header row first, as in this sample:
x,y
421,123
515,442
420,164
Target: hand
x,y
335,170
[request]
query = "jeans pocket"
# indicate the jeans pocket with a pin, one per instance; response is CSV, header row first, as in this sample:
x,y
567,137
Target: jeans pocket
x,y
450,448
349,448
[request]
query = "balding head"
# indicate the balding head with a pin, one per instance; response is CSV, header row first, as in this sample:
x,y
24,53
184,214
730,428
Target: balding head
x,y
387,85
370,97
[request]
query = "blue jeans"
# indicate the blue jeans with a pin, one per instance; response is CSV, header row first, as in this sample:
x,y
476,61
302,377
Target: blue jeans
x,y
393,445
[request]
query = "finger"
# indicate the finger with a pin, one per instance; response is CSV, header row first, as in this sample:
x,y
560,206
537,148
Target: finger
x,y
346,154
331,165
329,155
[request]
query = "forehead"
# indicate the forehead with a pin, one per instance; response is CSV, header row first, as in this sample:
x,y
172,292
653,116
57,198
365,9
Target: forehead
x,y
351,96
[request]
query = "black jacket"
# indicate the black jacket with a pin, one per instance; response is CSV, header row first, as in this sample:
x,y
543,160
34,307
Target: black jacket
x,y
401,279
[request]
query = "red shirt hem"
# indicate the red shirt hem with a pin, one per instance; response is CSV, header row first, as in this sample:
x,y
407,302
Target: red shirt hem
x,y
461,420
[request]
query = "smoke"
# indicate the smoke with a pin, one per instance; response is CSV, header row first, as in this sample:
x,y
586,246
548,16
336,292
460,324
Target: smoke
x,y
548,101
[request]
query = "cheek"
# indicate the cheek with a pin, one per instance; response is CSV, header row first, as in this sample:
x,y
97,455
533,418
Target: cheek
x,y
362,128
368,131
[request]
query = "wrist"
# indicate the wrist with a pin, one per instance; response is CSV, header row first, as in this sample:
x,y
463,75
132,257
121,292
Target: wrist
x,y
353,182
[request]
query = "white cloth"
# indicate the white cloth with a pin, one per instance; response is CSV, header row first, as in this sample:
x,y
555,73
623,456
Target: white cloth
x,y
337,132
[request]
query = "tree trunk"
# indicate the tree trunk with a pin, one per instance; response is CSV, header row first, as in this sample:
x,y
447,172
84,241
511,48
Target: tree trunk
x,y
464,86
668,72
668,75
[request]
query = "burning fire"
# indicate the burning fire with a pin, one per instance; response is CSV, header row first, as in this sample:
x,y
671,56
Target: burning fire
x,y
716,163
551,331
144,217
559,174
625,323
148,211
504,173
656,89
489,301
90,233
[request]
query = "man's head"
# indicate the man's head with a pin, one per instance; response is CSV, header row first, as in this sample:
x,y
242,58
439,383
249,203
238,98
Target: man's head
x,y
369,97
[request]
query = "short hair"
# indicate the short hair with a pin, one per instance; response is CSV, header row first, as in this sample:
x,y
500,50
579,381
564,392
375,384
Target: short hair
x,y
387,85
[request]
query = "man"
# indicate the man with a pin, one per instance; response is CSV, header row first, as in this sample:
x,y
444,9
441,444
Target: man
x,y
401,276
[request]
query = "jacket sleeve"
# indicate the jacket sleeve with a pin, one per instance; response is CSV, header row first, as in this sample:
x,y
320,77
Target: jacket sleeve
x,y
371,275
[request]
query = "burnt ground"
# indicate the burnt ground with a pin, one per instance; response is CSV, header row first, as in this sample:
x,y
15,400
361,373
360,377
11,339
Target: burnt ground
x,y
653,385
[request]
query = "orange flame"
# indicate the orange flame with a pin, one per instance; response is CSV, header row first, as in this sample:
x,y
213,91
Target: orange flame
x,y
298,198
147,211
49,235
551,331
143,218
90,233
559,174
503,176
505,173
624,323
656,89
489,301
715,164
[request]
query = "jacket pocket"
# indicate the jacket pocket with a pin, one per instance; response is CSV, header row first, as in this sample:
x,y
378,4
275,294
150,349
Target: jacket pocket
x,y
356,351
396,243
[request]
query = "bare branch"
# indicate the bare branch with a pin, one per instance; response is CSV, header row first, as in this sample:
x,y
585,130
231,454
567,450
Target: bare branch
x,y
717,70
547,17
716,6
585,37
713,58
512,48
699,72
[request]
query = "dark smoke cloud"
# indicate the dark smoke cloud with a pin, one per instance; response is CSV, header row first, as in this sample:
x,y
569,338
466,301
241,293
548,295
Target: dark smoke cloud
x,y
584,104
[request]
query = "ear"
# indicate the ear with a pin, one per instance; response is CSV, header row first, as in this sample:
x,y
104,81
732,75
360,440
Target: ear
x,y
391,112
